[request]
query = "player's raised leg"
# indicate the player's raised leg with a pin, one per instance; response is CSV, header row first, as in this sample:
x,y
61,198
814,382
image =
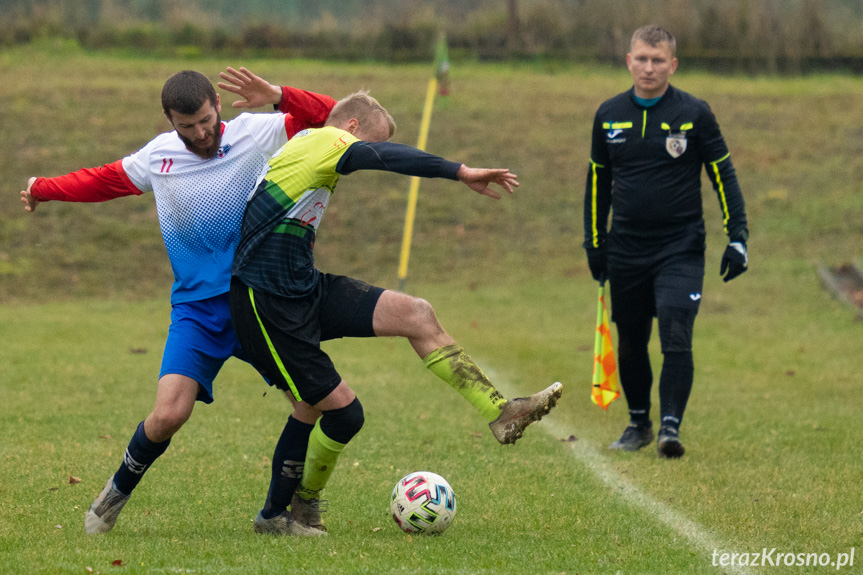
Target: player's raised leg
x,y
399,314
175,400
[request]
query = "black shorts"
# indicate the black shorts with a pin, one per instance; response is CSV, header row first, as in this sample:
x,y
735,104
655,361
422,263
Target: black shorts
x,y
639,287
282,336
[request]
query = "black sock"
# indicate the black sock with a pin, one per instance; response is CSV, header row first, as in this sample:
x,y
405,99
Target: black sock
x,y
675,385
640,417
636,376
140,454
288,460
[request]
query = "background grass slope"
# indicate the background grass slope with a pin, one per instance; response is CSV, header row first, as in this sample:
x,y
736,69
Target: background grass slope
x,y
773,435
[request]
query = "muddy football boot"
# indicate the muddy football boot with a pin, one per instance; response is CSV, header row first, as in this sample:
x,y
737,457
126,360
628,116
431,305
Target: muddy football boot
x,y
284,524
517,414
308,511
102,515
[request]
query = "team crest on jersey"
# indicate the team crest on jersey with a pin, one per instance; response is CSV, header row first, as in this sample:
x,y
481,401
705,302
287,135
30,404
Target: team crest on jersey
x,y
223,150
675,144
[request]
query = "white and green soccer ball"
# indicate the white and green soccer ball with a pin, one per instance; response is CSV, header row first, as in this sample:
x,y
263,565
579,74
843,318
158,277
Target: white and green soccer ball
x,y
423,502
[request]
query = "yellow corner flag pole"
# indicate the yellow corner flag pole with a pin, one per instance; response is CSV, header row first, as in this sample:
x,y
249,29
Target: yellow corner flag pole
x,y
415,186
442,72
606,385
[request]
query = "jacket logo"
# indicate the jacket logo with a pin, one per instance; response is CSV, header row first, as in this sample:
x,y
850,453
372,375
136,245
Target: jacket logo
x,y
615,129
695,296
223,150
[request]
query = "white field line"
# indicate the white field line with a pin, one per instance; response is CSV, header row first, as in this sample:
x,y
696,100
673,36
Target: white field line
x,y
598,464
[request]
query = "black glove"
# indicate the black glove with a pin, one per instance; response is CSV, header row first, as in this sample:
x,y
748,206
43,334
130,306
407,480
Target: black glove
x,y
598,263
735,260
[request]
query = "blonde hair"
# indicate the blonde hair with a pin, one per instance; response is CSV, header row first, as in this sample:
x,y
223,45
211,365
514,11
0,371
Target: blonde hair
x,y
653,36
363,108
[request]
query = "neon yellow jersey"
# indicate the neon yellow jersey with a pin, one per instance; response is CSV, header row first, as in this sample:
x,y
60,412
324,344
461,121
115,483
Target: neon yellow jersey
x,y
302,175
275,253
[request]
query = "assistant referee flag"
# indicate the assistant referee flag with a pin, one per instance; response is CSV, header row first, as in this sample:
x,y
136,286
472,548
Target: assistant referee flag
x,y
606,386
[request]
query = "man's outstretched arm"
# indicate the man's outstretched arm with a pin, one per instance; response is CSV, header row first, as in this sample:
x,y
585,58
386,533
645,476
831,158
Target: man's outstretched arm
x,y
402,159
87,185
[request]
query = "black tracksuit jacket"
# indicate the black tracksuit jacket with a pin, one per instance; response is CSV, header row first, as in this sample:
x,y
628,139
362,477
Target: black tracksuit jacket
x,y
645,168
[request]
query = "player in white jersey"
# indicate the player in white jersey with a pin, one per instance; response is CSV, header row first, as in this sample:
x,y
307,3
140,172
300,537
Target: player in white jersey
x,y
200,175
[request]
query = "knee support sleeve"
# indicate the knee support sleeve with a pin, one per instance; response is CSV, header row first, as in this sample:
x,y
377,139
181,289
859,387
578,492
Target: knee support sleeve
x,y
342,424
675,329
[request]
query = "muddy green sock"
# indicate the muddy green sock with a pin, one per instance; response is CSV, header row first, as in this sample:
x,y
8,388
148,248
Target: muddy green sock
x,y
321,458
454,366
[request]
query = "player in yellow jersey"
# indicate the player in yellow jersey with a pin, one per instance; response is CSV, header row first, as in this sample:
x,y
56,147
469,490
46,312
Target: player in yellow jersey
x,y
283,307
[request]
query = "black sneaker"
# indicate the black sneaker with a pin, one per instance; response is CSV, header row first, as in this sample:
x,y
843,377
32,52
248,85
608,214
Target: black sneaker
x,y
668,445
634,437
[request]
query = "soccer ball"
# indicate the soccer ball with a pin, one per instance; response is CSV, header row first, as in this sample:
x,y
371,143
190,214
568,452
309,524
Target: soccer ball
x,y
423,502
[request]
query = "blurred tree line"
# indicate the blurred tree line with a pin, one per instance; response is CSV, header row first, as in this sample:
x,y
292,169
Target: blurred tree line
x,y
788,36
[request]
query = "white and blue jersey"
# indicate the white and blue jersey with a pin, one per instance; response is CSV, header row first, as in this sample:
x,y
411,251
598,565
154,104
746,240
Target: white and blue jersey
x,y
200,202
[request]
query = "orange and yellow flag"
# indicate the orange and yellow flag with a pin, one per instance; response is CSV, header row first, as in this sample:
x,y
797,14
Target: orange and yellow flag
x,y
606,385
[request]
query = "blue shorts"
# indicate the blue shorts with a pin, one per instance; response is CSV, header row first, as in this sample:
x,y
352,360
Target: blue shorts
x,y
200,339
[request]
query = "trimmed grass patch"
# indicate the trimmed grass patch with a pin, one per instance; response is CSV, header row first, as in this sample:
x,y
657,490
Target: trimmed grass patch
x,y
774,457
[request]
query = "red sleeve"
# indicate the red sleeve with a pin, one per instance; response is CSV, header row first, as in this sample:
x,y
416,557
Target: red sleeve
x,y
88,185
304,109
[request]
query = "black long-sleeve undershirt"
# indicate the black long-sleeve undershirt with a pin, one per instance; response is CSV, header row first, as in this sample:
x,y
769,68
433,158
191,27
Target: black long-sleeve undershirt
x,y
398,158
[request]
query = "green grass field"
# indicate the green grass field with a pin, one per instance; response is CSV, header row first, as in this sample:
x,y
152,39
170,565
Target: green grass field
x,y
772,431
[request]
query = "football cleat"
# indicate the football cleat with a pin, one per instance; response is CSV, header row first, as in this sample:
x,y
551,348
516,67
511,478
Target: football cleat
x,y
517,414
308,511
284,524
102,515
634,437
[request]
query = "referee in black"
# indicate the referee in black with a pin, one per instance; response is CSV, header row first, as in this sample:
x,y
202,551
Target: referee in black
x,y
648,146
